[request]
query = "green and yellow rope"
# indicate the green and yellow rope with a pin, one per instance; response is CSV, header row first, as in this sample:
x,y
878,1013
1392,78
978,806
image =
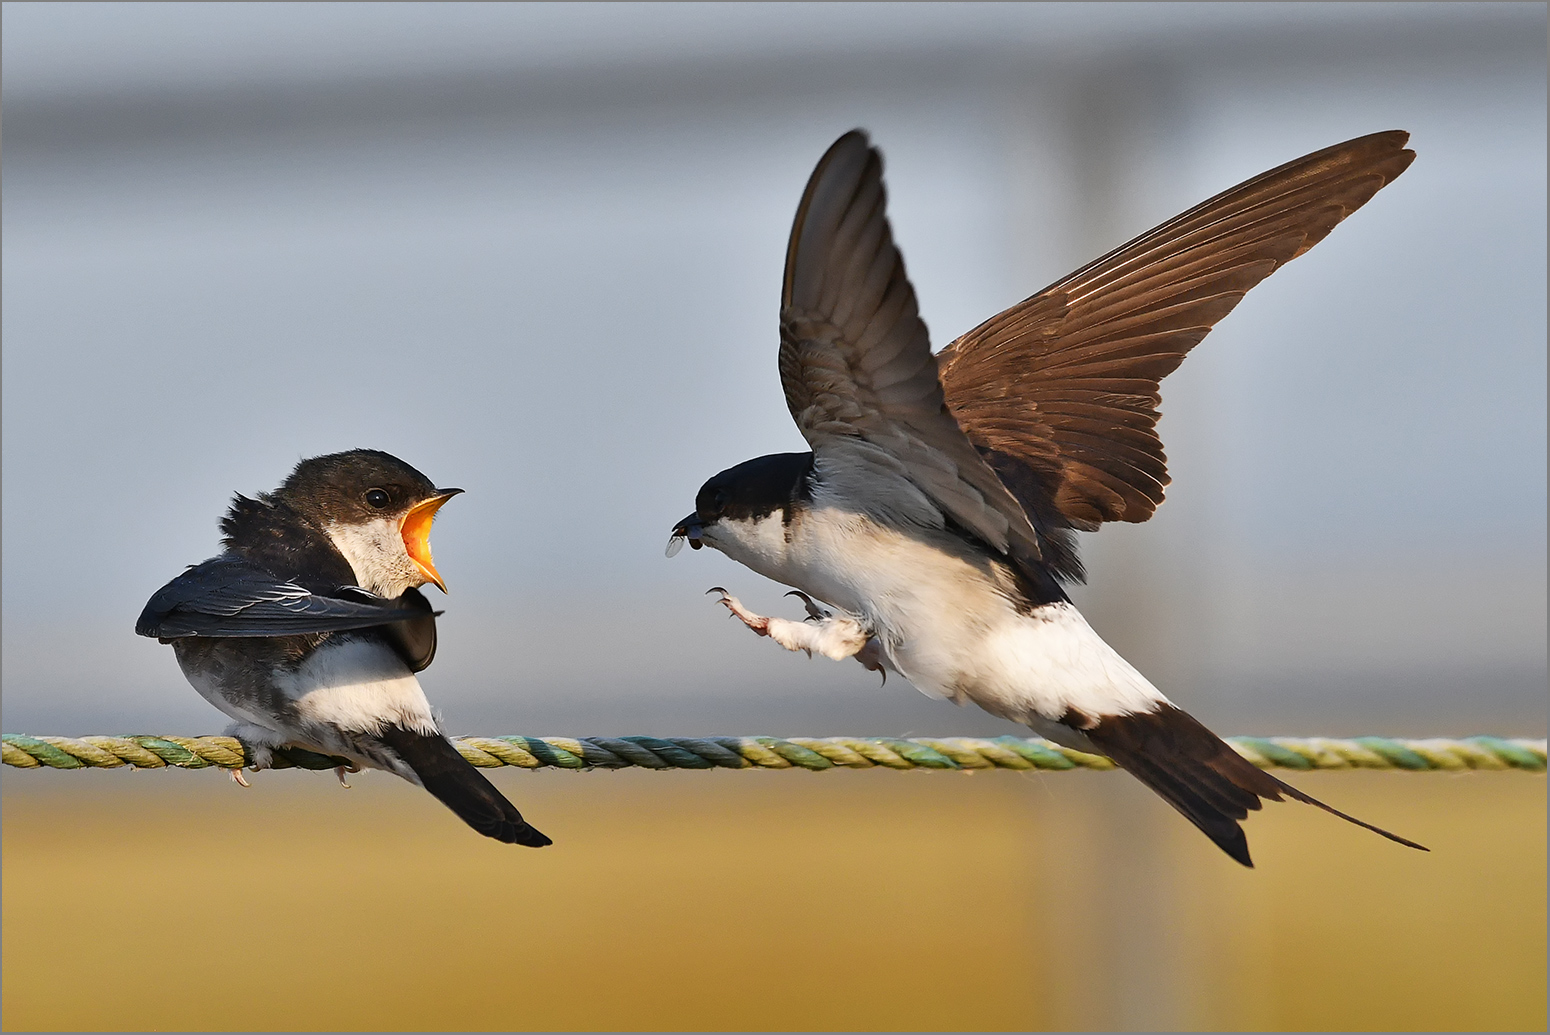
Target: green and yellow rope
x,y
812,753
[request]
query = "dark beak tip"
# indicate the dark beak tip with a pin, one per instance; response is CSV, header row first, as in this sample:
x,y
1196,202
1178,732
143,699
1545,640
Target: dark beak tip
x,y
448,492
689,527
688,530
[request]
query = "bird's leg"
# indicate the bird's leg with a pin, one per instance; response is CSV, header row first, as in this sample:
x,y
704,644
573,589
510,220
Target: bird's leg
x,y
870,656
833,637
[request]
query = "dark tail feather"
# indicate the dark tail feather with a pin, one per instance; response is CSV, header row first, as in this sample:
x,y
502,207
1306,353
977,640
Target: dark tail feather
x,y
1197,773
1296,795
461,787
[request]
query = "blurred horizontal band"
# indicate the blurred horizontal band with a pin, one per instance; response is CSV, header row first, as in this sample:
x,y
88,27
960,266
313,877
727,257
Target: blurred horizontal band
x,y
814,753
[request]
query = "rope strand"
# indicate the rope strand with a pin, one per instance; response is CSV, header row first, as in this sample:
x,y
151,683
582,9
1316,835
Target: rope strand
x,y
812,753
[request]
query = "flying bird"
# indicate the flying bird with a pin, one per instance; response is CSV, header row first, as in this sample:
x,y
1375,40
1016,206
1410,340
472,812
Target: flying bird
x,y
936,511
309,628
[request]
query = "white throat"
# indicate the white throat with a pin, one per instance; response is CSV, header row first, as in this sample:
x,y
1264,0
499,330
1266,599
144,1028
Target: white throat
x,y
377,555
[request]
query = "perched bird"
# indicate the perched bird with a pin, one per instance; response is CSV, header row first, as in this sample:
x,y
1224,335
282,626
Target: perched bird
x,y
937,508
309,628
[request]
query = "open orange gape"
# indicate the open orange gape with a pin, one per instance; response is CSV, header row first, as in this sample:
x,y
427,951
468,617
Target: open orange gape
x,y
416,532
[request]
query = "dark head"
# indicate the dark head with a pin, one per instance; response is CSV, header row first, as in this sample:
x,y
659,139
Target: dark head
x,y
748,493
376,509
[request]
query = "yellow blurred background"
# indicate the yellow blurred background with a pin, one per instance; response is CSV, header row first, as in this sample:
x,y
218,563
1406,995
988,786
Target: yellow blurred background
x,y
233,231
766,901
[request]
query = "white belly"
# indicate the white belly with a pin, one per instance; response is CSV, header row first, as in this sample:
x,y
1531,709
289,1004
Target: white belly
x,y
946,620
349,684
358,686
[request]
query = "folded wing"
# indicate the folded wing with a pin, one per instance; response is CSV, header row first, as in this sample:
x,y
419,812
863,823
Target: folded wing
x,y
229,596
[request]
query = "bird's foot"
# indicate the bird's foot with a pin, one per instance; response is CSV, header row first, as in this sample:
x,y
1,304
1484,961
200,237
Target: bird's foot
x,y
830,635
238,778
758,623
258,744
340,772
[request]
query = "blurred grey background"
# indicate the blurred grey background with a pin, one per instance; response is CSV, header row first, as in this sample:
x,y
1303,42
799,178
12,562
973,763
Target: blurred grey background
x,y
535,250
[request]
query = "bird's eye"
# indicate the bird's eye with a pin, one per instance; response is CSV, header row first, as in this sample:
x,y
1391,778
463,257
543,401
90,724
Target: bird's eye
x,y
721,498
377,498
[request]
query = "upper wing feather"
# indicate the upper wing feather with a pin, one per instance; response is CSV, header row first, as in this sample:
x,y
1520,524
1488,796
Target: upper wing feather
x,y
1060,391
857,368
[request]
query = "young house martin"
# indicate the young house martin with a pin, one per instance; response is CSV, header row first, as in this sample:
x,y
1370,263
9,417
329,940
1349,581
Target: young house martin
x,y
938,507
309,628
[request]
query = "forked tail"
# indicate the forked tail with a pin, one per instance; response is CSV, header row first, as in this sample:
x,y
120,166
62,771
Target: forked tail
x,y
1197,773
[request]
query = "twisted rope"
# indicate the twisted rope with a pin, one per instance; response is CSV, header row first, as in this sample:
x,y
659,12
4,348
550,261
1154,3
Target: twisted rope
x,y
814,753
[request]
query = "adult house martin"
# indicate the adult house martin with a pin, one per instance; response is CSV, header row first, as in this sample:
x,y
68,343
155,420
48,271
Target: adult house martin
x,y
938,507
310,626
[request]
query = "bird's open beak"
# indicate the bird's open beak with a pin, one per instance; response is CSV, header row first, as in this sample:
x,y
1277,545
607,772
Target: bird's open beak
x,y
689,528
416,531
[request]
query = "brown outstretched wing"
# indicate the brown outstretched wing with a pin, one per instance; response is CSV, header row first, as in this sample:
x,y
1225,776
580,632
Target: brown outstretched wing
x,y
857,368
1060,391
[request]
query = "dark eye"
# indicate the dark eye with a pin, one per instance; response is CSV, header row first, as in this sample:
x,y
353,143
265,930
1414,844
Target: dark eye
x,y
377,498
721,498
